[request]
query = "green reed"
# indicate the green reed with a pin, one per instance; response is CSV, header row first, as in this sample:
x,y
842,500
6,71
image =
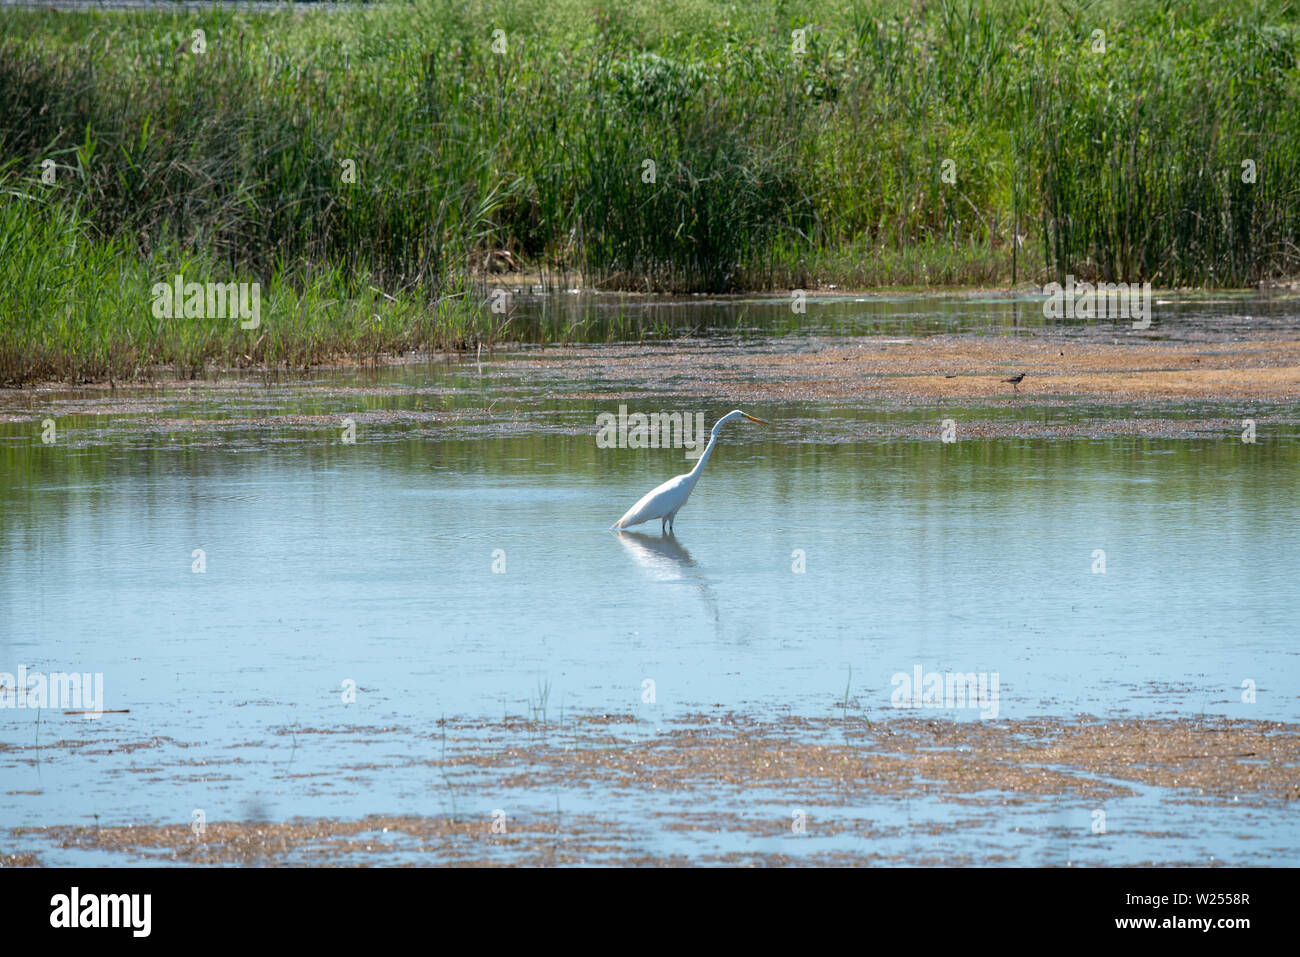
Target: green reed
x,y
363,161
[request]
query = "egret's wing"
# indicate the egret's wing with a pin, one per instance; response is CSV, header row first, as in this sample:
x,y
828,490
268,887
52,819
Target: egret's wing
x,y
655,503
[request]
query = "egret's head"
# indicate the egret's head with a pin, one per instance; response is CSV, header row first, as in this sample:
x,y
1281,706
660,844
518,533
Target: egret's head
x,y
737,414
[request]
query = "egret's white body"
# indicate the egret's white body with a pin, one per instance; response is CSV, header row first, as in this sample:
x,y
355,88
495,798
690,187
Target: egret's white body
x,y
664,502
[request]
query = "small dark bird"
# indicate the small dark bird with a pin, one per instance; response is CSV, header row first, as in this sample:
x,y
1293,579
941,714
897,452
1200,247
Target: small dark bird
x,y
1015,381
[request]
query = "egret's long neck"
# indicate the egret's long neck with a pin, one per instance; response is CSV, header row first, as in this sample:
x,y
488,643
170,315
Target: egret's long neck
x,y
708,450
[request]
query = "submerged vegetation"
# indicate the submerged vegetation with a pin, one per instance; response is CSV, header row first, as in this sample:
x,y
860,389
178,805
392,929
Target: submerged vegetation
x,y
362,163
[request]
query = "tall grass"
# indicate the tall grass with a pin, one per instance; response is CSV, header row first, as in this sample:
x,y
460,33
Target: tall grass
x,y
77,307
769,168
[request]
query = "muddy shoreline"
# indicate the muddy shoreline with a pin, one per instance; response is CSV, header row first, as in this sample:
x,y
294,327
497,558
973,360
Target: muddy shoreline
x,y
1071,388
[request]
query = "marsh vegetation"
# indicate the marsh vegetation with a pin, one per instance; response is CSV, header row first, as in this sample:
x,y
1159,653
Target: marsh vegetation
x,y
365,165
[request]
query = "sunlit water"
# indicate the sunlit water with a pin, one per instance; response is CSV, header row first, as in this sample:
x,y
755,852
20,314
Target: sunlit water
x,y
470,571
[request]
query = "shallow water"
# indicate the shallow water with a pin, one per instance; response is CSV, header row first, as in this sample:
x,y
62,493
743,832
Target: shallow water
x,y
1178,316
464,567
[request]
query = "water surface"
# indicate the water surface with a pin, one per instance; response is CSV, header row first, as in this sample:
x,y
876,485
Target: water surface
x,y
463,566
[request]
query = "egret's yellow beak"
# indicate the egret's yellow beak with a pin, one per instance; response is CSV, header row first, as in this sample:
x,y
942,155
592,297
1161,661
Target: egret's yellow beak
x,y
755,419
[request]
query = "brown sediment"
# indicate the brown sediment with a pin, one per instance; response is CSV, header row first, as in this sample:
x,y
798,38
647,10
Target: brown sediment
x,y
535,840
19,860
962,367
1124,368
1254,761
84,746
1153,388
722,774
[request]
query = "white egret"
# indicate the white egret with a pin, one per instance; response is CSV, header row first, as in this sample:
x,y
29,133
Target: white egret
x,y
665,501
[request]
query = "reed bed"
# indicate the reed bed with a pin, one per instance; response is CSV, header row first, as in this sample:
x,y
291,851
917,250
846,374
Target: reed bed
x,y
364,162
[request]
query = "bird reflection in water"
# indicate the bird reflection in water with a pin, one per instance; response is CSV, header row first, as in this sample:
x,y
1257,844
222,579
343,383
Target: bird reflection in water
x,y
665,559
